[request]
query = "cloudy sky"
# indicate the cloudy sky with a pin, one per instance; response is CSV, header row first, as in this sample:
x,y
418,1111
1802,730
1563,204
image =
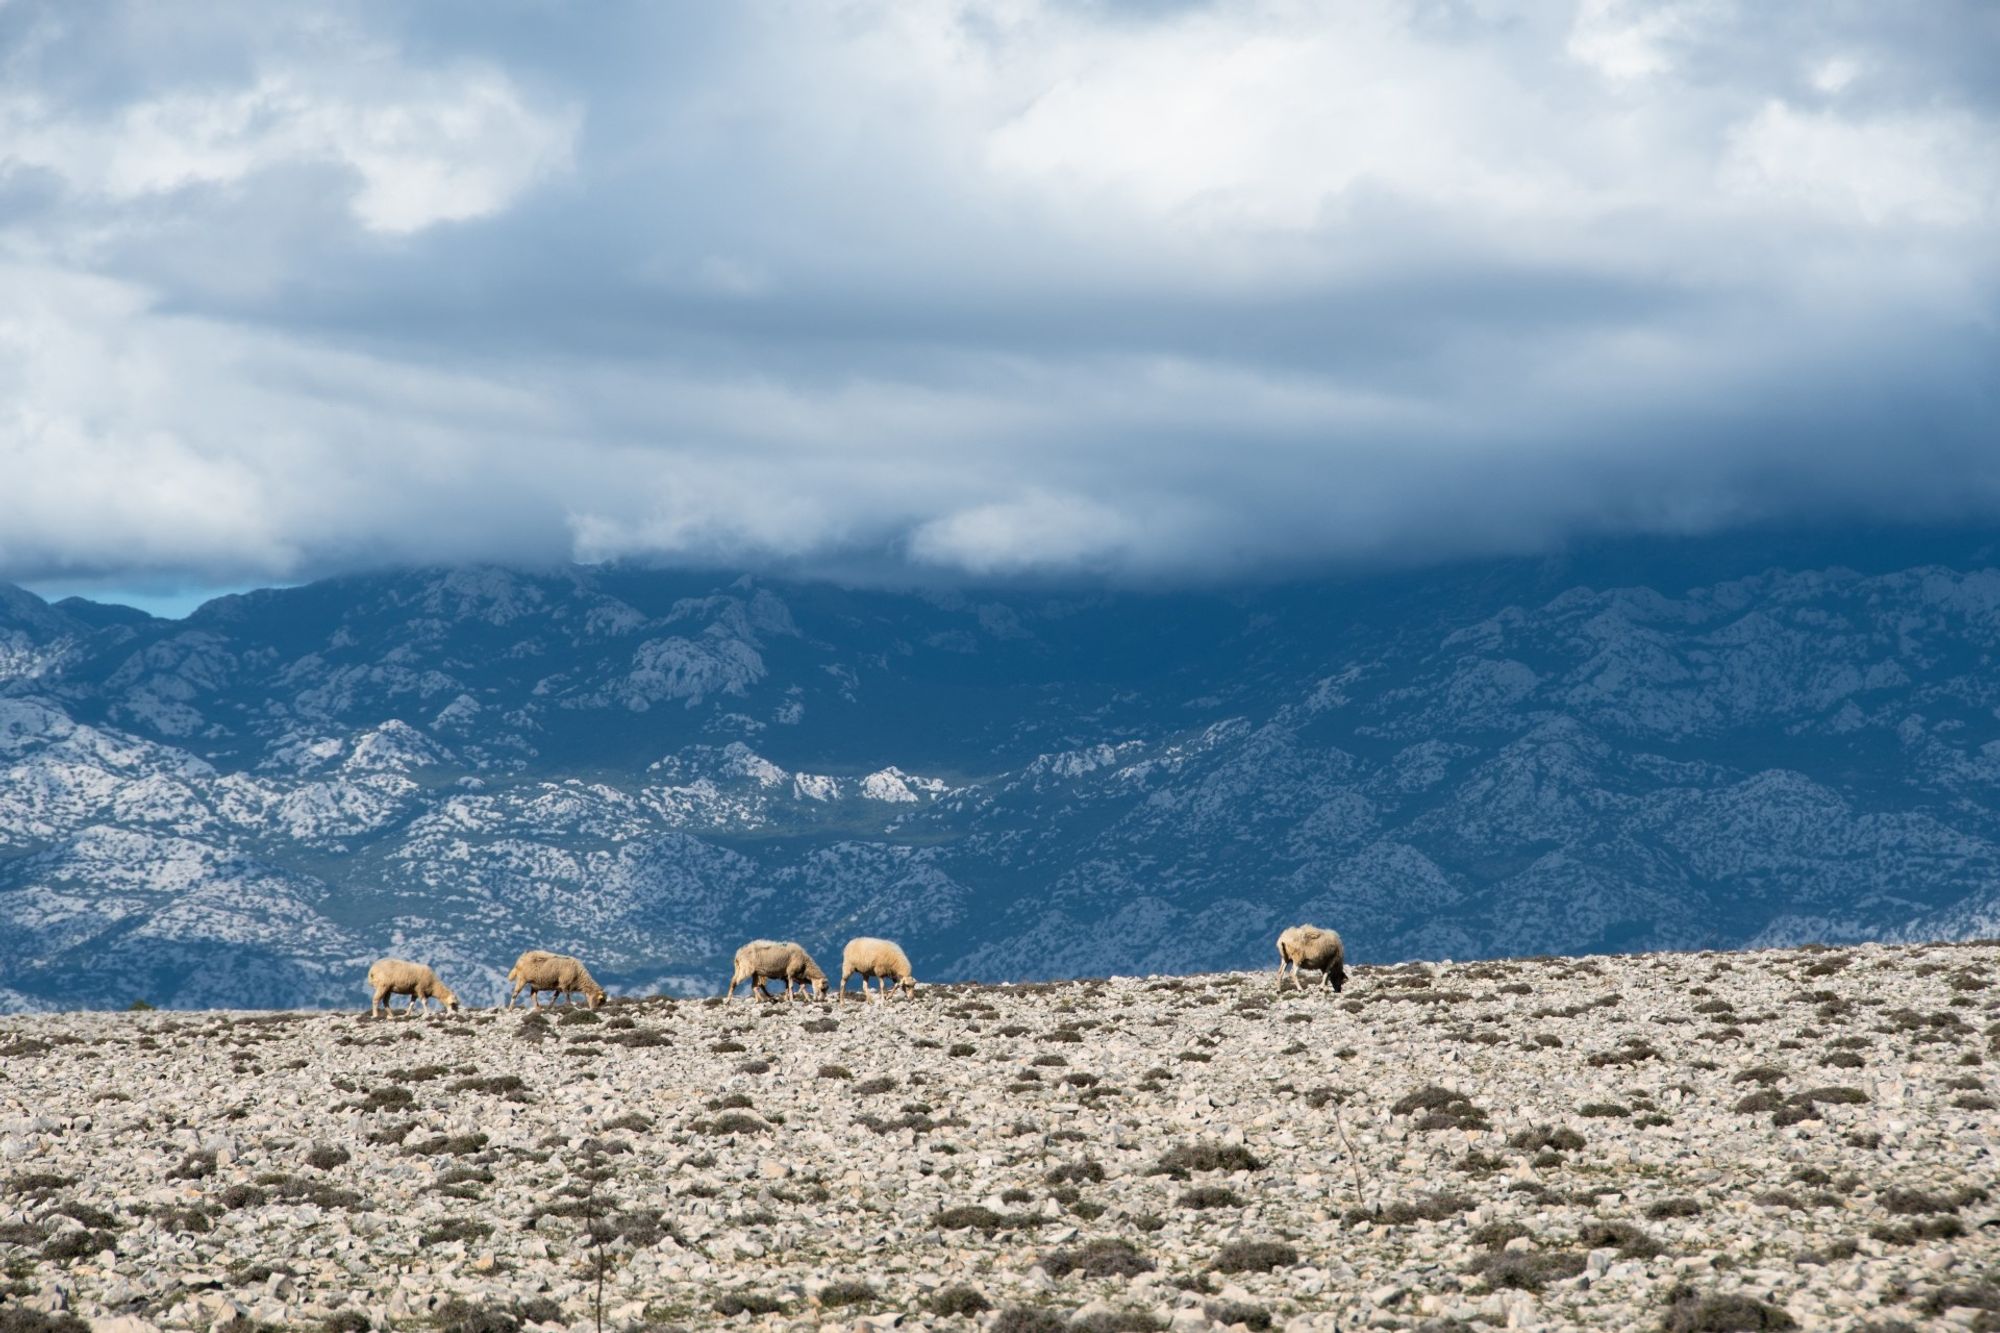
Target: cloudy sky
x,y
1099,288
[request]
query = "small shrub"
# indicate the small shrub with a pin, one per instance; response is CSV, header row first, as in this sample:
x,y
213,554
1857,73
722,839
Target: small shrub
x,y
733,1303
189,1221
1628,1240
870,1087
1027,1319
959,1300
20,1319
976,1217
1543,1138
1181,1161
1254,1256
1970,1296
454,1145
77,1244
456,1228
1210,1196
1924,1228
88,1215
1087,1171
1495,1235
1098,1258
325,1157
195,1166
1526,1270
1603,1110
1908,1203
1765,1075
1666,1208
1693,1311
1441,1109
1428,1208
838,1295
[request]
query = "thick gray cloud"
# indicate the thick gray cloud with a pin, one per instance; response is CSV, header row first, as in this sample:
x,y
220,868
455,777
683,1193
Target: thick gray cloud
x,y
1141,290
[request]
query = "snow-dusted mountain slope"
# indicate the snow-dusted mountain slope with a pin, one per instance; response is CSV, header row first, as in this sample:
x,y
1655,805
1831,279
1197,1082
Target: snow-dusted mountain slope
x,y
1648,748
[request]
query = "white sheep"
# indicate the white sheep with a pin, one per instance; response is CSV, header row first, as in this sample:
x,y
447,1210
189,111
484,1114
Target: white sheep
x,y
1314,949
538,970
761,961
882,959
393,976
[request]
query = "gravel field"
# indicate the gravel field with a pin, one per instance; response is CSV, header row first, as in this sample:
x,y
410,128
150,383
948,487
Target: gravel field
x,y
1680,1142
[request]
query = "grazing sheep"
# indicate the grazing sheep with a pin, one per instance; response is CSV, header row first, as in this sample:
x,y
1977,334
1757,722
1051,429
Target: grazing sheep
x,y
761,961
880,959
1314,949
393,976
538,970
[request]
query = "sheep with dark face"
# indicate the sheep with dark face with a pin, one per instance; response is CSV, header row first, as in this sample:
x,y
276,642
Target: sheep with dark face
x,y
883,960
393,976
762,961
538,970
1313,949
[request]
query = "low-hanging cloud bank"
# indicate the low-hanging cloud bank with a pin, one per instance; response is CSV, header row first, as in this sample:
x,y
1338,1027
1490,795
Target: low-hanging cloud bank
x,y
1089,288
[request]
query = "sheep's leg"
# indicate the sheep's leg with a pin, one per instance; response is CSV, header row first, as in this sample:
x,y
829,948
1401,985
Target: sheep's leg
x,y
375,1005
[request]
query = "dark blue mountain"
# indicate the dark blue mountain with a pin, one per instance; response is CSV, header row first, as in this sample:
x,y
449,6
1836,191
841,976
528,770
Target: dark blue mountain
x,y
1644,745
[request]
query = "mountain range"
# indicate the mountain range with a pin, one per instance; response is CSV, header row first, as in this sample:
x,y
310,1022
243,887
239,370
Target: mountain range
x,y
1666,744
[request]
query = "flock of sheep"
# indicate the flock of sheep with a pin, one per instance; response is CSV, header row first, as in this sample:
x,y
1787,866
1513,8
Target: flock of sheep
x,y
760,962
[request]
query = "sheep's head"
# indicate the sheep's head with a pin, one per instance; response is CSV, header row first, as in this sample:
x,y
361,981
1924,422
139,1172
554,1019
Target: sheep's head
x,y
448,997
909,987
595,996
818,980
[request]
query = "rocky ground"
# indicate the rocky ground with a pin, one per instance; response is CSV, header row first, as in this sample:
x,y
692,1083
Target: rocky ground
x,y
1705,1141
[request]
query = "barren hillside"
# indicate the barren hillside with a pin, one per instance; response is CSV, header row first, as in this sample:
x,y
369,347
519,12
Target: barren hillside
x,y
1676,1141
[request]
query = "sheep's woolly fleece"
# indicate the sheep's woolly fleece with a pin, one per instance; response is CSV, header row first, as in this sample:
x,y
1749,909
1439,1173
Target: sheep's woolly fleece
x,y
538,970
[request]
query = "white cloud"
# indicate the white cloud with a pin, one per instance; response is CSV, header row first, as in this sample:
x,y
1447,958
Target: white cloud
x,y
1037,532
1934,169
1635,39
423,147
